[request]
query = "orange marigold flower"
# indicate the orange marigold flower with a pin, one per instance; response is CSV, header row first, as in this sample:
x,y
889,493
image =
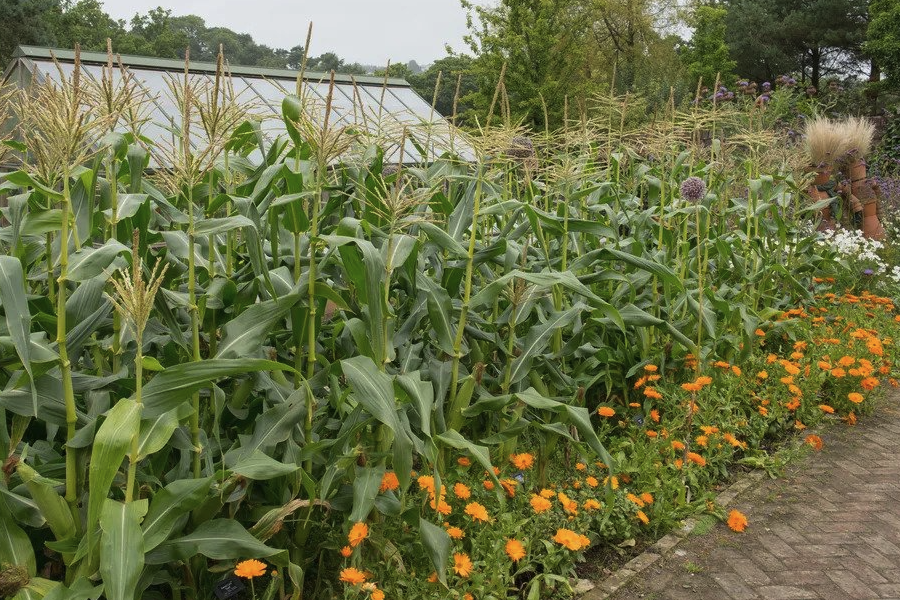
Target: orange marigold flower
x,y
855,397
651,368
456,533
651,433
643,517
846,361
709,429
736,370
477,512
570,539
462,566
426,482
640,382
771,358
468,597
540,504
676,445
702,440
389,482
522,461
591,481
737,521
762,375
798,425
787,380
704,380
462,491
850,419
548,493
433,578
488,485
838,372
248,569
591,504
826,409
569,505
346,551
652,393
358,533
580,466
613,482
696,458
353,576
763,411
814,441
654,415
509,486
760,333
463,461
635,499
377,595
824,365
605,411
691,387
515,550
647,497
869,383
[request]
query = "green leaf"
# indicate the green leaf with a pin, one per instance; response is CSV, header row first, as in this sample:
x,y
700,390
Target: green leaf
x,y
90,262
365,489
52,506
176,384
82,589
18,317
243,336
156,432
121,548
260,467
40,222
221,225
111,444
374,391
537,339
437,544
219,539
454,439
15,546
171,505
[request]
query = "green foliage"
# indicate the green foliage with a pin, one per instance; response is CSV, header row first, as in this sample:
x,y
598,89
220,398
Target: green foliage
x,y
706,55
883,39
772,37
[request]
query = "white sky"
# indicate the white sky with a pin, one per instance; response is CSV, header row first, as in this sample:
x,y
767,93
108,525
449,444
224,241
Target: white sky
x,y
365,31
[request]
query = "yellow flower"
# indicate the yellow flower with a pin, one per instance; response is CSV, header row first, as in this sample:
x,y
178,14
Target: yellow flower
x,y
249,569
358,533
515,550
522,461
540,504
462,491
353,576
643,518
477,512
462,566
737,521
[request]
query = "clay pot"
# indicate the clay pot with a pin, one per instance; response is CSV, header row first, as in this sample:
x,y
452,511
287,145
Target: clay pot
x,y
871,225
823,176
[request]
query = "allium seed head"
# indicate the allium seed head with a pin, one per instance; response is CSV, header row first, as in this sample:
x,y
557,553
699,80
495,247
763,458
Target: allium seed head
x,y
693,189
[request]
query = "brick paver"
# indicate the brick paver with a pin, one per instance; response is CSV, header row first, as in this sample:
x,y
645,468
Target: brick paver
x,y
829,529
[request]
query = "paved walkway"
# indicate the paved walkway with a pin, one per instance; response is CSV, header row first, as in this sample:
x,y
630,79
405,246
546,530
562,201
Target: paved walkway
x,y
829,529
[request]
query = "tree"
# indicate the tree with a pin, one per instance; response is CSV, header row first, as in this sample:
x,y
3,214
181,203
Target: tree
x,y
398,70
883,40
543,45
26,22
815,38
707,56
450,68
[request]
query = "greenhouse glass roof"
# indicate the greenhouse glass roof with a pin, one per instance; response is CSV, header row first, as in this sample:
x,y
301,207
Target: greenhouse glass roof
x,y
387,109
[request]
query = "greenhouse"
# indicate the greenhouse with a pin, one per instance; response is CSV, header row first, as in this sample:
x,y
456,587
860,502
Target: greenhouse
x,y
387,109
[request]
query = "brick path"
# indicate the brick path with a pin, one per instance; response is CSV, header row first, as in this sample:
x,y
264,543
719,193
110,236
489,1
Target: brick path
x,y
829,529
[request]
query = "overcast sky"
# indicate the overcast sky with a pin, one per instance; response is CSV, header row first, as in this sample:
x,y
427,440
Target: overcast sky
x,y
365,31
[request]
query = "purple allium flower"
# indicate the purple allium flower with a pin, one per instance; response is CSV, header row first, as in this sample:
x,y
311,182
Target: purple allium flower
x,y
868,272
765,98
766,85
693,189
